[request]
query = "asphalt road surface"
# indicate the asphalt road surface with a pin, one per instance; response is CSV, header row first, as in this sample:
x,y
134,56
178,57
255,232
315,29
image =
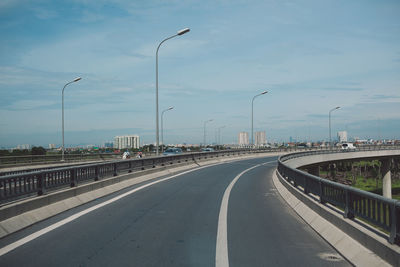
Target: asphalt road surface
x,y
179,221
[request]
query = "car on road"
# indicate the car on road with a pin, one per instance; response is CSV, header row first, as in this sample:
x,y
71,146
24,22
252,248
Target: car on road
x,y
172,151
348,146
126,155
207,149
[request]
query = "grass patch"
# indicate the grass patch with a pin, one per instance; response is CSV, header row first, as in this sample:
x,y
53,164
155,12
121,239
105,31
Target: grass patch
x,y
370,185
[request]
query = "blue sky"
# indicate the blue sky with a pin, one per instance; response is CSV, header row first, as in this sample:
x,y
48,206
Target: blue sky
x,y
310,55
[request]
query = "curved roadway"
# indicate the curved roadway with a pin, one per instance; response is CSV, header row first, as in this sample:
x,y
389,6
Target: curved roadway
x,y
179,222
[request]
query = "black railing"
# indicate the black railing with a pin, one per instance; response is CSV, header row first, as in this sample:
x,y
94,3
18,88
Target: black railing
x,y
375,209
109,157
15,186
47,159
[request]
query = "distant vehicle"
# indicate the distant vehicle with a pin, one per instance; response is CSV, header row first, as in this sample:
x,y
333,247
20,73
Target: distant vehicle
x,y
348,146
172,151
207,149
126,155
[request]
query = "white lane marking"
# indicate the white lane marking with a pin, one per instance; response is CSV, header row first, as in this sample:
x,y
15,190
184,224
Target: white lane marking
x,y
268,162
20,242
37,234
221,253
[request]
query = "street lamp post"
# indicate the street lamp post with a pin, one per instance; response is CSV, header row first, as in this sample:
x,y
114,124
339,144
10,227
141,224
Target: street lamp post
x,y
330,136
252,111
205,131
181,32
219,134
162,128
63,148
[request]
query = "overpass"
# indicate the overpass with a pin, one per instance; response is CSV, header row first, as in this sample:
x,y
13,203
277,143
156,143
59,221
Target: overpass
x,y
222,211
360,209
312,161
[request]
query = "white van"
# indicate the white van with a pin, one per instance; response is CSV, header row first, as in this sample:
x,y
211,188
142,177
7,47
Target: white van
x,y
348,146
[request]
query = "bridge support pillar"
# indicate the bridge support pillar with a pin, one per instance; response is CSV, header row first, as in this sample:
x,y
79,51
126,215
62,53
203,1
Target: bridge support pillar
x,y
332,171
386,178
314,170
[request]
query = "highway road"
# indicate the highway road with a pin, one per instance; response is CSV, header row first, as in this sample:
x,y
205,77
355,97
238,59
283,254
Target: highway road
x,y
222,215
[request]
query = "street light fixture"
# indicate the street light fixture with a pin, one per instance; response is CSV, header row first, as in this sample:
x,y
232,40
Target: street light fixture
x,y
205,131
162,131
63,148
252,109
181,32
330,136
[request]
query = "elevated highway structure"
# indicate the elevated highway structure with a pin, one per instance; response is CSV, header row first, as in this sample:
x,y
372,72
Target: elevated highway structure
x,y
375,216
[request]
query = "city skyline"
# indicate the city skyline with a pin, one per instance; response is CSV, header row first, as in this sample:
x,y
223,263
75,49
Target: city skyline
x,y
291,140
101,137
311,56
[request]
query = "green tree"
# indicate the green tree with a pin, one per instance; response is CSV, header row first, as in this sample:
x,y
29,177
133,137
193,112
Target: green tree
x,y
38,150
20,152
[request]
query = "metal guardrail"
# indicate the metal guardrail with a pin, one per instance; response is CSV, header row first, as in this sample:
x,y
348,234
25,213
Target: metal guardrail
x,y
375,209
24,184
338,150
9,161
15,161
37,169
118,157
15,184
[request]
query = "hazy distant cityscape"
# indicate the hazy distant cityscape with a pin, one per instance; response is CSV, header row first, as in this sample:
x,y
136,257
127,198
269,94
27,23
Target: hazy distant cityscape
x,y
243,140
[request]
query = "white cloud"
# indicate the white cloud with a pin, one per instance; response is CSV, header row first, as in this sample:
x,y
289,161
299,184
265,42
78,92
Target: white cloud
x,y
11,76
234,49
30,104
122,90
5,4
43,13
90,17
83,52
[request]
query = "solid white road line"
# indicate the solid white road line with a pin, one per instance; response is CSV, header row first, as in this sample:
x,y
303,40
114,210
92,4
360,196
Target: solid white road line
x,y
37,234
221,253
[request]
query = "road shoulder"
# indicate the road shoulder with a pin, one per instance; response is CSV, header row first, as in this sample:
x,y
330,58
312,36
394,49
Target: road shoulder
x,y
353,251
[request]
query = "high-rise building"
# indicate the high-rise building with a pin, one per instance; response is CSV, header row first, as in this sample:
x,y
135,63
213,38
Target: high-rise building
x,y
126,141
342,136
260,138
24,146
52,146
243,138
